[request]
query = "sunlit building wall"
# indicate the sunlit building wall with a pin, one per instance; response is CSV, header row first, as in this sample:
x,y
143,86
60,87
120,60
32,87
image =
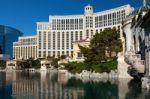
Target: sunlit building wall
x,y
56,36
25,47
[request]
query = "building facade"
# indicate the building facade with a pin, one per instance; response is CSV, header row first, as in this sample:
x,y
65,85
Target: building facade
x,y
25,48
77,55
137,34
8,35
56,37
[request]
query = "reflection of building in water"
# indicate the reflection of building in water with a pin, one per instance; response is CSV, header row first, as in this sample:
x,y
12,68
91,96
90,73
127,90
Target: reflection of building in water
x,y
10,76
62,77
45,86
2,85
52,89
26,89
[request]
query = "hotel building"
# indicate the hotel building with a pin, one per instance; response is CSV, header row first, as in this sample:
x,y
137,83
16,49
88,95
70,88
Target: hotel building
x,y
56,37
25,48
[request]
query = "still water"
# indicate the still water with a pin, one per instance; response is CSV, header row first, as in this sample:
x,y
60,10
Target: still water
x,y
52,85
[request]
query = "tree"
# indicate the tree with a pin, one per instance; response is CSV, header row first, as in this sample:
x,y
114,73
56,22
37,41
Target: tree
x,y
37,63
29,63
55,62
22,64
2,64
103,47
63,57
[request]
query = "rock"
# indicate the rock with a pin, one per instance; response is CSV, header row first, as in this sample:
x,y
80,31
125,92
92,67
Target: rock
x,y
105,75
146,82
113,74
86,73
95,75
78,75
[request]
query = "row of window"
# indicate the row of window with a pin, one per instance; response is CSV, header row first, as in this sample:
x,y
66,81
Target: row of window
x,y
24,52
43,27
59,40
67,24
110,19
29,41
89,22
53,53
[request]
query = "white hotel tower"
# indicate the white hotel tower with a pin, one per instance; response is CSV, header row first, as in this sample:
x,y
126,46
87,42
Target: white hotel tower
x,y
55,37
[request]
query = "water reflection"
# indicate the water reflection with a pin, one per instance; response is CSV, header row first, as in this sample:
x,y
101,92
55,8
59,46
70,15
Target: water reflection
x,y
52,85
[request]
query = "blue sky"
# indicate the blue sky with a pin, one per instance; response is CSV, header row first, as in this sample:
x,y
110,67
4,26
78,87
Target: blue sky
x,y
23,14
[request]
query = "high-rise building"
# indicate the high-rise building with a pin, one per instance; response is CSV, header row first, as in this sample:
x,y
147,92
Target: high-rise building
x,y
55,37
25,48
8,35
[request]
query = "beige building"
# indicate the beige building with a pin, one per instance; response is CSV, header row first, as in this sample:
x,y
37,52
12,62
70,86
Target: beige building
x,y
56,36
77,55
25,48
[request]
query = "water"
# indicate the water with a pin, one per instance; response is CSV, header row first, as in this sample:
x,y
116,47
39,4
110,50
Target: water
x,y
24,85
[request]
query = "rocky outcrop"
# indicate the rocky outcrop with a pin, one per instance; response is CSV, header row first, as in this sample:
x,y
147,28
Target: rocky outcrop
x,y
122,67
92,75
146,82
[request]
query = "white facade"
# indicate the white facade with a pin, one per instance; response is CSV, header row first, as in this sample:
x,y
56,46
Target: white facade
x,y
25,48
55,37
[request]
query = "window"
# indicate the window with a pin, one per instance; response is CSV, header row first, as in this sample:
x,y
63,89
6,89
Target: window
x,y
80,35
76,35
87,33
67,40
63,40
58,42
53,40
91,33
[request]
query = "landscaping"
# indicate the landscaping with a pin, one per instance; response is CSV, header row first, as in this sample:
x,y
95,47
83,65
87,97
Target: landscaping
x,y
75,67
101,55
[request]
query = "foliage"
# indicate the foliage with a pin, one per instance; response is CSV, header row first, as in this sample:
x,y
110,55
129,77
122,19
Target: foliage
x,y
63,57
105,67
2,64
29,63
103,47
101,55
53,60
75,67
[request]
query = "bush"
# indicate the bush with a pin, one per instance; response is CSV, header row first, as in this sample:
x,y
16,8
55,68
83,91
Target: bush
x,y
75,67
105,67
2,64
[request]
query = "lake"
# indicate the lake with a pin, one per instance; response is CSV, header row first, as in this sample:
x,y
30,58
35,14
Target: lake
x,y
52,85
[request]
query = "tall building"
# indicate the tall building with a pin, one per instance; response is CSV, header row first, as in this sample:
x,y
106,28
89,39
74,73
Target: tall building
x,y
25,48
55,37
8,35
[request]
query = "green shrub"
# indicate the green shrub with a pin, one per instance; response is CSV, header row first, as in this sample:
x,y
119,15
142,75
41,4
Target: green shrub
x,y
75,67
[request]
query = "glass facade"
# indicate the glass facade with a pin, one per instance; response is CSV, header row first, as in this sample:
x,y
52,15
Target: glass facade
x,y
8,35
